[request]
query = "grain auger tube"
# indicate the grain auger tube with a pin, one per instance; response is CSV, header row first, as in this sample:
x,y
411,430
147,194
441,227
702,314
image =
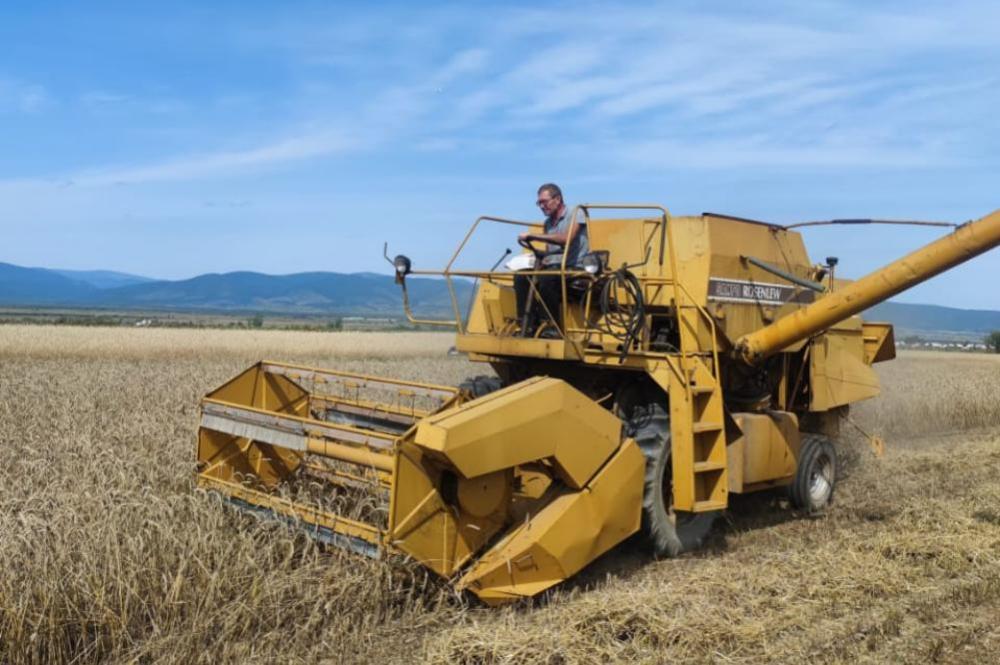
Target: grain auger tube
x,y
717,360
966,242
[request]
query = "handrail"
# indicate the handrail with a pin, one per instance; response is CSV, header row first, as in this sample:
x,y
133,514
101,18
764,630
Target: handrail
x,y
682,296
448,273
586,207
428,322
475,224
712,329
295,371
635,206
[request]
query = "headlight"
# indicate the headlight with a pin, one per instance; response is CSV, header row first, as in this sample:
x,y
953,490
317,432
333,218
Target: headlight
x,y
592,264
402,265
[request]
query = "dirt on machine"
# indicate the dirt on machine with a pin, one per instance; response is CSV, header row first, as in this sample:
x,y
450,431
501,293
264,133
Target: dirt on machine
x,y
693,358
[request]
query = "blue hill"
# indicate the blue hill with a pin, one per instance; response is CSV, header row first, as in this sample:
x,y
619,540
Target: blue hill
x,y
935,317
324,293
38,286
104,279
301,293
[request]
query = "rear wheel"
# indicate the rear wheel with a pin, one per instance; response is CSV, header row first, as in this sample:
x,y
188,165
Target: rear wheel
x,y
669,532
816,474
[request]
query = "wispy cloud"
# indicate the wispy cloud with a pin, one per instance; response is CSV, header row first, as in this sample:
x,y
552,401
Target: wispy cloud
x,y
197,165
100,98
109,102
19,97
760,151
215,163
778,84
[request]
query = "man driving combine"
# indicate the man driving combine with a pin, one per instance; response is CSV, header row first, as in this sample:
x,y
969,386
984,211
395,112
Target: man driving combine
x,y
558,233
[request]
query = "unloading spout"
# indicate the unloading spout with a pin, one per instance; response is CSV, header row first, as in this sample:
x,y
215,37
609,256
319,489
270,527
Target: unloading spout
x,y
966,242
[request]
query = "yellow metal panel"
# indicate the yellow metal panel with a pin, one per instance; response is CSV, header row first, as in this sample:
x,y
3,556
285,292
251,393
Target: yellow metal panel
x,y
880,343
693,247
494,304
241,389
425,526
257,388
556,349
485,495
837,370
711,246
221,456
681,442
767,450
627,241
569,532
540,418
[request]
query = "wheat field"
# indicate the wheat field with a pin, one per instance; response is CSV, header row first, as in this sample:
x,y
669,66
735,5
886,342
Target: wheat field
x,y
109,554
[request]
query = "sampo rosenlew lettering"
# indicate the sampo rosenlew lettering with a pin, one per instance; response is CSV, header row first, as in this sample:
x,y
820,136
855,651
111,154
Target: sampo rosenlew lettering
x,y
758,292
728,290
736,290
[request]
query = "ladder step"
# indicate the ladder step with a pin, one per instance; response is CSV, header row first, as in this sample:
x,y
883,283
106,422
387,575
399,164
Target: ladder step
x,y
702,467
705,506
706,427
702,390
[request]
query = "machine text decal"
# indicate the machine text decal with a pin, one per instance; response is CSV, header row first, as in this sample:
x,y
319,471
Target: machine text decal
x,y
739,290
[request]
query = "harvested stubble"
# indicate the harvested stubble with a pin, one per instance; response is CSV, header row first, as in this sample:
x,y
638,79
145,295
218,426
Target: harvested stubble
x,y
108,553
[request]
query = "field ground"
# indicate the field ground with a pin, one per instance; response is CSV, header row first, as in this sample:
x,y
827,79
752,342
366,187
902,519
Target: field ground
x,y
198,319
108,553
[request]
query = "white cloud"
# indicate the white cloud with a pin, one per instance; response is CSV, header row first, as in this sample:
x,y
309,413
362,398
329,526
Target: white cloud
x,y
461,64
827,85
23,97
288,150
98,98
32,99
101,101
761,151
221,163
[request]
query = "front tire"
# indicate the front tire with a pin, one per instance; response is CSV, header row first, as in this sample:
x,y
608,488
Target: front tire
x,y
668,532
815,475
477,386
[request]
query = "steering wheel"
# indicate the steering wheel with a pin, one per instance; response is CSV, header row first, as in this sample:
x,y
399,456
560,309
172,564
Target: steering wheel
x,y
534,250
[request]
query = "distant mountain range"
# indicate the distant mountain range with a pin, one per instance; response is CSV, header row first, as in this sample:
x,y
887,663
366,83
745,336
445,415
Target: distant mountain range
x,y
104,279
302,293
325,293
935,318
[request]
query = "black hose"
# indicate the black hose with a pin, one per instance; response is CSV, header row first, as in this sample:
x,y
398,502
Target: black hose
x,y
625,321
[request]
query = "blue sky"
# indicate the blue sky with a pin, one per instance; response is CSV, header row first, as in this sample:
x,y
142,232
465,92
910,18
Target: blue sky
x,y
172,139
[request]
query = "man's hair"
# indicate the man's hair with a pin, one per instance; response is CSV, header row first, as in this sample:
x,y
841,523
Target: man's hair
x,y
552,189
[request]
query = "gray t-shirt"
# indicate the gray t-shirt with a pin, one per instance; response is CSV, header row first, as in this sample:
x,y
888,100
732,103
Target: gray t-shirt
x,y
577,249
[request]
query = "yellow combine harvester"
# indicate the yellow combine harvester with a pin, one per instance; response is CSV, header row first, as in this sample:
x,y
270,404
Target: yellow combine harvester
x,y
694,357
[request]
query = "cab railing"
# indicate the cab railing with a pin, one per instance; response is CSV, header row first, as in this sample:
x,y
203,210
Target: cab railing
x,y
665,255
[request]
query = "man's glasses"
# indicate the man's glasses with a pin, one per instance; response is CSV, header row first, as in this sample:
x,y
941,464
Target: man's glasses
x,y
541,203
